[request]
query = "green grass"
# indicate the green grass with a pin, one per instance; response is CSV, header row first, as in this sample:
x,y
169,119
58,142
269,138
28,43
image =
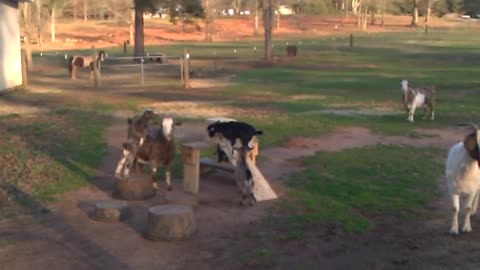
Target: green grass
x,y
351,187
53,154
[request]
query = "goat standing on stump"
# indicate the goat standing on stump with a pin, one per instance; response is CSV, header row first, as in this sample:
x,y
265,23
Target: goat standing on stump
x,y
136,135
158,148
463,178
418,97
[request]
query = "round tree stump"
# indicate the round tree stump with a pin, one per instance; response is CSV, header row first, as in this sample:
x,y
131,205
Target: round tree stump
x,y
135,187
113,210
170,222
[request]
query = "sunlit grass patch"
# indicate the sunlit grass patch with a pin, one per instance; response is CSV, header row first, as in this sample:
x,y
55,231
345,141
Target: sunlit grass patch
x,y
351,187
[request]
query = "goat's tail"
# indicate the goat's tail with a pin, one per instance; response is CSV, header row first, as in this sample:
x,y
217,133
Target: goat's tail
x,y
258,132
70,64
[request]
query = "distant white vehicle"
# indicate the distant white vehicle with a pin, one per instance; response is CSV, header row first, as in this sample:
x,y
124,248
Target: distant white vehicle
x,y
284,10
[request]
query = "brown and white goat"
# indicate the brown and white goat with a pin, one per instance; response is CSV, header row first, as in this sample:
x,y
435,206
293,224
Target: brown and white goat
x,y
158,148
136,134
418,97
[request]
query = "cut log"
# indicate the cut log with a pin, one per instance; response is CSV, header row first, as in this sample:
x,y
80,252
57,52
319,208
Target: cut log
x,y
170,222
112,210
135,187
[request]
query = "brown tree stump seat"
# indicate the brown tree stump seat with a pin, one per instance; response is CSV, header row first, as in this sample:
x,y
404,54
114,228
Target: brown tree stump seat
x,y
135,187
170,222
111,210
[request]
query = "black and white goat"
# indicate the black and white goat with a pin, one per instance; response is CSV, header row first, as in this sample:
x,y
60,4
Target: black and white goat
x,y
136,134
413,98
462,173
237,140
158,148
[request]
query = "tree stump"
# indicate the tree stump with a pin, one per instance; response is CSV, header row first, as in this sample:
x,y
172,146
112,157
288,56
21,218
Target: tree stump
x,y
135,187
170,222
112,210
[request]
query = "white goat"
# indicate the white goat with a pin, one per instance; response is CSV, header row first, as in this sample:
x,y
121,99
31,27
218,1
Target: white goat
x,y
418,97
463,178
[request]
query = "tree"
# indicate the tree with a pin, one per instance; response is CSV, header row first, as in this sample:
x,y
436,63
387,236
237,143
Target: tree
x,y
52,6
415,13
139,49
267,8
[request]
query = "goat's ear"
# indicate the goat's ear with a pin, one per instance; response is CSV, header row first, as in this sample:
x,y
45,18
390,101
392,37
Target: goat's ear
x,y
471,145
129,120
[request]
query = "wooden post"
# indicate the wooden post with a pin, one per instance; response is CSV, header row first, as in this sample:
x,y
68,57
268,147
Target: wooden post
x,y
351,41
191,169
125,48
24,69
96,73
186,69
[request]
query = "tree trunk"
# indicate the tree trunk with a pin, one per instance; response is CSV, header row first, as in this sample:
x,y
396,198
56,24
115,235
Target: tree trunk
x,y
415,13
429,11
139,35
268,25
383,12
208,22
344,12
52,24
39,23
131,24
255,26
278,20
75,9
85,10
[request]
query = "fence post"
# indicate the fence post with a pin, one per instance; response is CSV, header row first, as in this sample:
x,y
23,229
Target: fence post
x,y
181,70
24,69
141,69
124,48
96,73
351,41
186,69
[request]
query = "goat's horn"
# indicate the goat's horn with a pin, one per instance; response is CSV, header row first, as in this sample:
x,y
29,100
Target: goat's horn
x,y
471,124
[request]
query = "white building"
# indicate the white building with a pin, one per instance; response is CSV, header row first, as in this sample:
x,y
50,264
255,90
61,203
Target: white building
x,y
10,50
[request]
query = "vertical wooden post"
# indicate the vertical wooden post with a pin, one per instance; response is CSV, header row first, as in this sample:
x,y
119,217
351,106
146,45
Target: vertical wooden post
x,y
96,73
125,48
186,68
191,169
24,69
351,41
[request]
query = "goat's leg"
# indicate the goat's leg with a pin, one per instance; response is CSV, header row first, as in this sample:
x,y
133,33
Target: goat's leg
x,y
168,176
468,210
475,205
411,113
455,209
432,110
154,165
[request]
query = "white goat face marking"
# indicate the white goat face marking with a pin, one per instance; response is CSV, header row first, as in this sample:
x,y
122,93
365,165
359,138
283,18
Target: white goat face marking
x,y
404,85
167,127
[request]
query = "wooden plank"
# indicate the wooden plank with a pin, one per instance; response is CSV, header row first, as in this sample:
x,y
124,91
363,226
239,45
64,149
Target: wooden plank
x,y
262,189
208,162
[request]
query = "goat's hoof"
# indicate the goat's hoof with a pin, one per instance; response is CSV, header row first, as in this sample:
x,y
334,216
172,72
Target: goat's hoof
x,y
453,232
155,186
466,229
169,188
